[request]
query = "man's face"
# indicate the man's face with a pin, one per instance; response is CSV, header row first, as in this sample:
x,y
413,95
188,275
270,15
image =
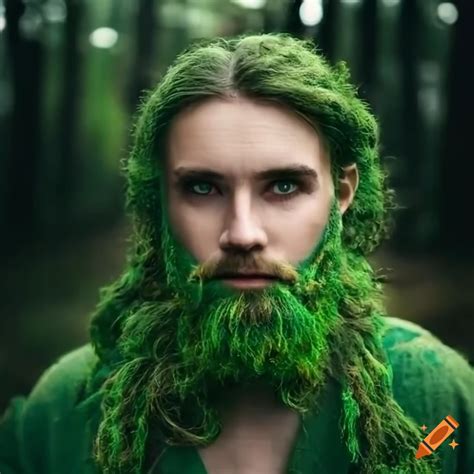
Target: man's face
x,y
248,178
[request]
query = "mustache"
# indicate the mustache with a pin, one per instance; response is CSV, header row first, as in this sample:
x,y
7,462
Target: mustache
x,y
244,263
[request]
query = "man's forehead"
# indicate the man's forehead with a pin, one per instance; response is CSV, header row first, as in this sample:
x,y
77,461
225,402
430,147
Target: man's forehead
x,y
233,138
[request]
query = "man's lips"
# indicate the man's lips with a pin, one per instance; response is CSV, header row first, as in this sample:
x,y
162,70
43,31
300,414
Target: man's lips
x,y
247,275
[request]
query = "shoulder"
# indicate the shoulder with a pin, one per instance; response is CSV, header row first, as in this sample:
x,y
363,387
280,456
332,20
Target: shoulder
x,y
60,393
430,381
64,381
51,424
411,348
59,389
421,362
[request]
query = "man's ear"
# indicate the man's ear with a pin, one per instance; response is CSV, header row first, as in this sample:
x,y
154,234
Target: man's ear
x,y
348,182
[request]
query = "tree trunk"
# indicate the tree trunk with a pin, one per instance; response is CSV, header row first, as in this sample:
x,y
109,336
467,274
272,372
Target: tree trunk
x,y
326,34
368,55
69,118
408,25
25,56
145,51
294,25
457,162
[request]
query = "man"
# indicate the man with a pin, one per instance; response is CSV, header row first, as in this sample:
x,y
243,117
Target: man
x,y
247,334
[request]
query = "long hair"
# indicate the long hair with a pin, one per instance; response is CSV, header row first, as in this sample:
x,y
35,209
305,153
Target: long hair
x,y
281,69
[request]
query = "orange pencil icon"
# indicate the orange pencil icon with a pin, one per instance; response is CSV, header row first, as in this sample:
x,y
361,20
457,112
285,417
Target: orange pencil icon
x,y
436,437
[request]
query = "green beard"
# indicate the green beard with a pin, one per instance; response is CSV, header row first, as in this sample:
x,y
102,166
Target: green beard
x,y
278,335
178,352
175,352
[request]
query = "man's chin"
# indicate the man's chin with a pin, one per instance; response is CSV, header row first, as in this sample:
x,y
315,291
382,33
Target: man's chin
x,y
251,304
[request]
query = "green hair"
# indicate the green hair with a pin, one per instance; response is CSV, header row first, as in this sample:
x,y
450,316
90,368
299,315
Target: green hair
x,y
281,69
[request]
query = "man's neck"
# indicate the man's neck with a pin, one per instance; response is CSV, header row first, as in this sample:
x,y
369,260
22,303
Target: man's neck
x,y
251,406
257,434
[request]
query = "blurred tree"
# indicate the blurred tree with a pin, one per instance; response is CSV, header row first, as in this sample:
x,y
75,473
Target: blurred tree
x,y
326,34
294,25
409,137
457,163
145,50
368,51
69,151
25,57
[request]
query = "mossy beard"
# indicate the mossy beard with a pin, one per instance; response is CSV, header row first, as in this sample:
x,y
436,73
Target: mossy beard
x,y
178,352
277,335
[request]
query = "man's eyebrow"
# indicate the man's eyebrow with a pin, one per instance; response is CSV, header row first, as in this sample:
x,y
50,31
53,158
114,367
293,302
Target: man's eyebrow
x,y
291,171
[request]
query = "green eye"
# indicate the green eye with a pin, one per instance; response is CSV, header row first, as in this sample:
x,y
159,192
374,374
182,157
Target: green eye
x,y
285,187
202,188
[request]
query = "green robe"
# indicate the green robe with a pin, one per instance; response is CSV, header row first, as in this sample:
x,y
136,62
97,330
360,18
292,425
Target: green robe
x,y
51,431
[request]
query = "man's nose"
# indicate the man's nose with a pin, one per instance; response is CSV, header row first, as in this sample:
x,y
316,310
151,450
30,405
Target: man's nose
x,y
243,230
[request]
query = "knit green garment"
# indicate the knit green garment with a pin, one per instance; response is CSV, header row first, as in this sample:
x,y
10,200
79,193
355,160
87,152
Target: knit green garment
x,y
52,431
